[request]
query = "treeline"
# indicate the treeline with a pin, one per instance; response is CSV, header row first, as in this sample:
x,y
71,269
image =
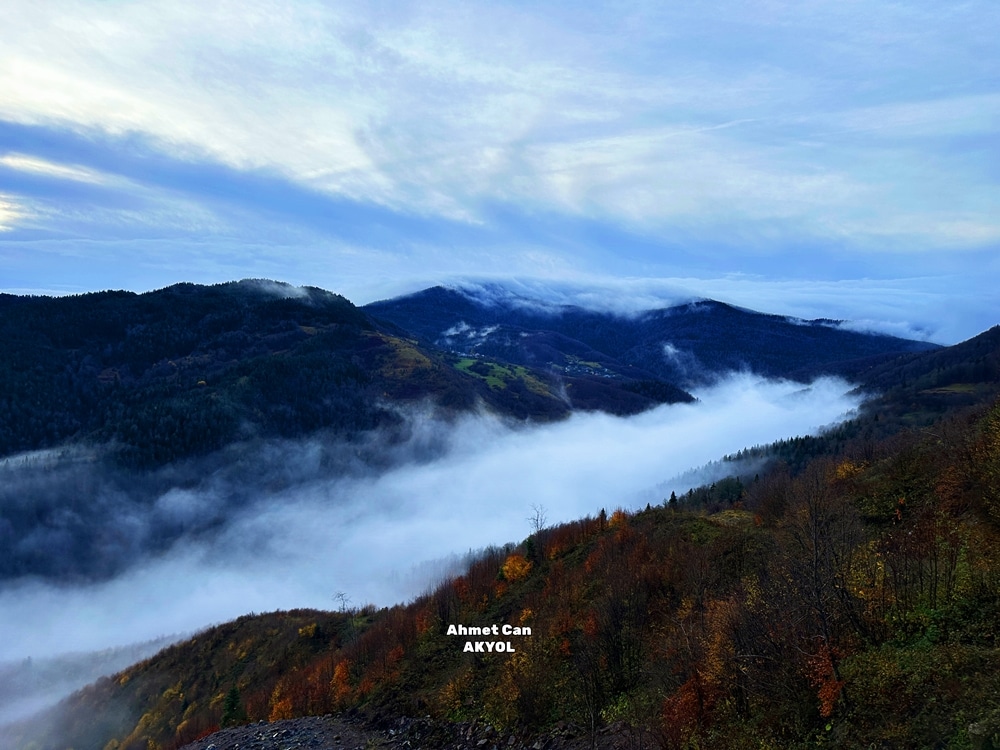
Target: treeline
x,y
174,373
853,602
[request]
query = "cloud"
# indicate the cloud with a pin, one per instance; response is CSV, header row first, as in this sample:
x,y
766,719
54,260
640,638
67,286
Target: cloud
x,y
446,110
10,212
49,169
626,297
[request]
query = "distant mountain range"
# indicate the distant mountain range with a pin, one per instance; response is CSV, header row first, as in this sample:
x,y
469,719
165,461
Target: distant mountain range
x,y
110,401
188,369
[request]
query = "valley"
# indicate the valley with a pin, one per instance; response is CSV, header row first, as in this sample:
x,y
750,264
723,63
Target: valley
x,y
335,449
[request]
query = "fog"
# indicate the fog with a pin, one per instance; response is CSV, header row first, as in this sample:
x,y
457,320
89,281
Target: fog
x,y
307,527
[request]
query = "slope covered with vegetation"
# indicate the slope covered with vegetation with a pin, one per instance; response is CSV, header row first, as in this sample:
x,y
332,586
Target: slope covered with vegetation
x,y
854,601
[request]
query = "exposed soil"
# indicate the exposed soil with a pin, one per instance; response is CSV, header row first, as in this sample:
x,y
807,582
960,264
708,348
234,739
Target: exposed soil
x,y
350,733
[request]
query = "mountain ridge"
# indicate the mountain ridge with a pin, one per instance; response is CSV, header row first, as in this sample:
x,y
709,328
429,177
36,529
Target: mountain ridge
x,y
687,345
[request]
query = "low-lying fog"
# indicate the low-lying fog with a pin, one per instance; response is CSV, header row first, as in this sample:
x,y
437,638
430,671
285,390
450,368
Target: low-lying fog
x,y
384,537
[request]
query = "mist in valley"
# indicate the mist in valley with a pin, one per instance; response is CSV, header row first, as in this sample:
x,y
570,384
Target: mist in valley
x,y
321,523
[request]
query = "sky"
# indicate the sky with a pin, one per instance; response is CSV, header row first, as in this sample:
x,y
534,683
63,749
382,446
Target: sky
x,y
819,158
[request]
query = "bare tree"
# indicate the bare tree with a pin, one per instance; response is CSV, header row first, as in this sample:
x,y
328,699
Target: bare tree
x,y
538,518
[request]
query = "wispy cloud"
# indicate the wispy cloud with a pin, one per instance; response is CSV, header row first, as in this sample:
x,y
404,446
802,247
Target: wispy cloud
x,y
444,107
10,212
34,165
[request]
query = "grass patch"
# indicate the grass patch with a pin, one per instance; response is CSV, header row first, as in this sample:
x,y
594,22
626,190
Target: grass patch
x,y
498,376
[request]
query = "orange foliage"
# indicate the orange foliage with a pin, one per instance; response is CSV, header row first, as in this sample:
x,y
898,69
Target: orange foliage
x,y
822,675
686,711
281,706
340,685
366,686
423,621
394,656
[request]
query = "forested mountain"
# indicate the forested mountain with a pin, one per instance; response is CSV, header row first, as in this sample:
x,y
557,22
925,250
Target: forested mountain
x,y
854,602
139,396
185,370
687,345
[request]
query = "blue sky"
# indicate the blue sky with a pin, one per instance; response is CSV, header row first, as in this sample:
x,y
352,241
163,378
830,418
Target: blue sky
x,y
815,158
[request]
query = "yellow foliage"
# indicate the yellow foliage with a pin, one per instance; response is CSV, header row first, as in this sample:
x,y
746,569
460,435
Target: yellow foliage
x,y
847,470
721,616
516,567
618,518
453,693
866,578
500,701
175,692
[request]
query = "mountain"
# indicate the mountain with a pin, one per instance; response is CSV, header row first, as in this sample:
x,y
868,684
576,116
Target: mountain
x,y
685,345
116,406
186,370
916,388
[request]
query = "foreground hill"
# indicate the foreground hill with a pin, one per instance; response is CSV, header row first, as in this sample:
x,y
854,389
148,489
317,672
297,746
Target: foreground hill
x,y
687,345
853,602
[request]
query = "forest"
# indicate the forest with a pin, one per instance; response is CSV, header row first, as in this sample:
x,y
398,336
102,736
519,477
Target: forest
x,y
149,379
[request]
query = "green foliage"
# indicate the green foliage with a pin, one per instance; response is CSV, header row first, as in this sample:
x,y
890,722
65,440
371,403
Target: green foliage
x,y
233,712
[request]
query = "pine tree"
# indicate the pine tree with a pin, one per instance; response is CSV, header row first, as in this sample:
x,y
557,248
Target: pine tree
x,y
232,709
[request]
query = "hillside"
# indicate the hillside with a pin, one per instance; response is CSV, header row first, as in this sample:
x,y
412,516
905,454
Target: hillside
x,y
855,601
686,345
